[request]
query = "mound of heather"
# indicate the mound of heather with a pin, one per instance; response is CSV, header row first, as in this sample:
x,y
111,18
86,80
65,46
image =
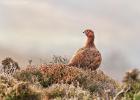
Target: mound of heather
x,y
96,82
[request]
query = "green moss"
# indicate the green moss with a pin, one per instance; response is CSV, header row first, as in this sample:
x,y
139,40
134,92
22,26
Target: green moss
x,y
137,96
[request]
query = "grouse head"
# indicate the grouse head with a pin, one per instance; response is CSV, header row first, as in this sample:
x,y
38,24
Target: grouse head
x,y
89,33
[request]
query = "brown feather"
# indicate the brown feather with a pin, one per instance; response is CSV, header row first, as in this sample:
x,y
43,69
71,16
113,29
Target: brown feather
x,y
87,57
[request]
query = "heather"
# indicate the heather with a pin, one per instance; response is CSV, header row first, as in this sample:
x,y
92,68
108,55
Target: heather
x,y
58,81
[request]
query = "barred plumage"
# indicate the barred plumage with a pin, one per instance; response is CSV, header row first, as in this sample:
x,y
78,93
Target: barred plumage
x,y
87,57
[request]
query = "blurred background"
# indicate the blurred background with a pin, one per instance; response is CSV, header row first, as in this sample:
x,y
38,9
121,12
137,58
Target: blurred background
x,y
38,29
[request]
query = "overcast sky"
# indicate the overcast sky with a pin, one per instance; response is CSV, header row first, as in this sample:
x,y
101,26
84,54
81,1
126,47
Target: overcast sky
x,y
40,28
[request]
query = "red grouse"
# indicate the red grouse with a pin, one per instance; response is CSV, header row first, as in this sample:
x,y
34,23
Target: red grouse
x,y
87,57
